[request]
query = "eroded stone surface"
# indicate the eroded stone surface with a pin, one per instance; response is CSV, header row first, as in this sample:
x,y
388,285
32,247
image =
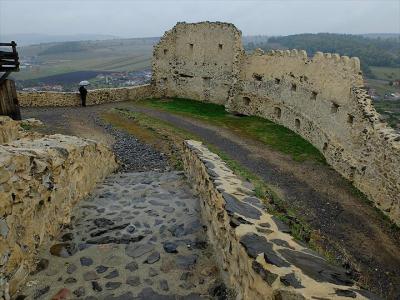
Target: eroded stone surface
x,y
127,205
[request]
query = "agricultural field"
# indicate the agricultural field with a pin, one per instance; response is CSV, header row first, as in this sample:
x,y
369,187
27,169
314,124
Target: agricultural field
x,y
386,73
117,55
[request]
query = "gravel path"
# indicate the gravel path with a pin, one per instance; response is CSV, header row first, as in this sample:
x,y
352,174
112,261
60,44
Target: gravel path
x,y
134,155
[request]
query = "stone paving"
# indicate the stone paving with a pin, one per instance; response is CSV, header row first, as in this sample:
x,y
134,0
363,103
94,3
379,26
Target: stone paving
x,y
139,236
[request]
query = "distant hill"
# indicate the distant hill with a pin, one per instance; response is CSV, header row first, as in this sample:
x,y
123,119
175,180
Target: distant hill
x,y
381,35
35,38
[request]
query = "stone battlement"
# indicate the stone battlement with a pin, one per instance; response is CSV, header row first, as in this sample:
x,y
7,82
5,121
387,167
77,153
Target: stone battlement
x,y
320,97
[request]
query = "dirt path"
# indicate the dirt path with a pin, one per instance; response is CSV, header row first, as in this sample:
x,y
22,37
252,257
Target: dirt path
x,y
351,229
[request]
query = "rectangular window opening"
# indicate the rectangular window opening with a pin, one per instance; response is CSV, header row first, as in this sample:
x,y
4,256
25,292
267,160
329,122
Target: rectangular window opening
x,y
334,108
297,123
257,77
278,112
293,87
191,46
350,119
277,81
220,46
314,95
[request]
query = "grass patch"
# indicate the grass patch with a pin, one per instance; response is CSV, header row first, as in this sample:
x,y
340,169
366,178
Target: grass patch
x,y
276,136
390,110
25,126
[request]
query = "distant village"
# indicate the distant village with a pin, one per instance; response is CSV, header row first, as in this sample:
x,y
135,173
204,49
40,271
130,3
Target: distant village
x,y
101,80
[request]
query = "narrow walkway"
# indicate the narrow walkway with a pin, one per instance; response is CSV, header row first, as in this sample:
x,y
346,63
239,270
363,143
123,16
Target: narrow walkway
x,y
138,237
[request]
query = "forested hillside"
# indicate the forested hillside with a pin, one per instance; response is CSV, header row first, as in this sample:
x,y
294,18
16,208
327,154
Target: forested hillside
x,y
382,52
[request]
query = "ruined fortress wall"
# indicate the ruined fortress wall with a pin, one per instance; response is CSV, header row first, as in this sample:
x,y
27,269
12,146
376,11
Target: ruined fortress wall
x,y
256,255
41,179
98,96
197,61
321,98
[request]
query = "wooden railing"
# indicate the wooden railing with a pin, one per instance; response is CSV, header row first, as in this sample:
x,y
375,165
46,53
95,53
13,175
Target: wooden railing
x,y
9,60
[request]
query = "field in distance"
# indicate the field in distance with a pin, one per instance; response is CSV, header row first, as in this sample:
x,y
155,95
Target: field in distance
x,y
115,55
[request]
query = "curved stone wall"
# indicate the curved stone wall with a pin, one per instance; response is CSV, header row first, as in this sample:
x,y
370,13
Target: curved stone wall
x,y
99,96
321,98
255,251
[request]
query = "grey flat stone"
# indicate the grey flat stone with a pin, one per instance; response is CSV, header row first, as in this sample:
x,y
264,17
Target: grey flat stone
x,y
137,250
255,245
90,275
112,274
317,268
101,269
132,266
71,268
153,257
133,280
86,261
153,272
291,280
186,262
170,247
233,205
96,286
164,285
265,274
112,285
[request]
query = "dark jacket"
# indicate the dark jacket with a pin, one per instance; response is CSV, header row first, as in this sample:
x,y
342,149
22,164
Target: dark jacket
x,y
83,91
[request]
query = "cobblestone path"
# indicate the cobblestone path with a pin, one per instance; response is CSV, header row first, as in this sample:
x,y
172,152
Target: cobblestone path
x,y
139,236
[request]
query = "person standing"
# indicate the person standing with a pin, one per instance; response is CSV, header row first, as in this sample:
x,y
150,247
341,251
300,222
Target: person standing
x,y
83,93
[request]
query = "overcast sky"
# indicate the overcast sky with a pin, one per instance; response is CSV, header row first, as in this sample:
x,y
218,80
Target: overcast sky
x,y
151,18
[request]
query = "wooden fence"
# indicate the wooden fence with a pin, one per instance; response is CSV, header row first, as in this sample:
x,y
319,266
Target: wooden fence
x,y
8,100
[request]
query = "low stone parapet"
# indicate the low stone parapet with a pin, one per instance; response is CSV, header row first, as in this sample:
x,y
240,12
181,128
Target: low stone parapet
x,y
98,96
254,249
40,182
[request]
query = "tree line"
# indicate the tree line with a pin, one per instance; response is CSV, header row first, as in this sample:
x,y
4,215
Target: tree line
x,y
381,52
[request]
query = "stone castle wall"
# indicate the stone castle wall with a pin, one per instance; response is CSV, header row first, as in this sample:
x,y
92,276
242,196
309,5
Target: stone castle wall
x,y
257,255
98,96
321,98
197,61
41,179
